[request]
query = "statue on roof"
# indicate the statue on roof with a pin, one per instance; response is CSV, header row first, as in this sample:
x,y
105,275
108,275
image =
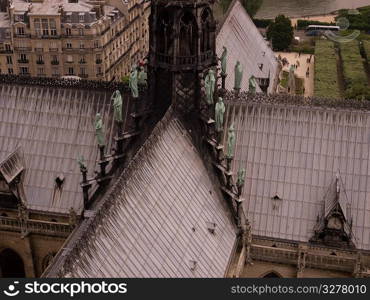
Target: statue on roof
x,y
99,131
133,82
117,105
252,84
219,114
81,162
230,142
210,82
241,177
142,76
238,75
224,61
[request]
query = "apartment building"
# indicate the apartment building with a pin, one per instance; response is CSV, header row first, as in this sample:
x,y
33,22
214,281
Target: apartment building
x,y
91,39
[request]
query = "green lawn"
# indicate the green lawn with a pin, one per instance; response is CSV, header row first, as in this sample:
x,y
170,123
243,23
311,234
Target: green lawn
x,y
326,78
367,50
354,72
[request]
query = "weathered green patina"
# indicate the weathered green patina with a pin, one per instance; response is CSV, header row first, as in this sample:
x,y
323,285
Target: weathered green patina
x,y
133,82
238,75
210,82
99,130
117,105
231,142
252,84
219,114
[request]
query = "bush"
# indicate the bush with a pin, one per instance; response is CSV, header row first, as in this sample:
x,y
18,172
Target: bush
x,y
359,21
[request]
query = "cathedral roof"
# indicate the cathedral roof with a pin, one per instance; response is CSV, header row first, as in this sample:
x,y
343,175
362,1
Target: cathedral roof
x,y
245,43
52,127
164,217
296,152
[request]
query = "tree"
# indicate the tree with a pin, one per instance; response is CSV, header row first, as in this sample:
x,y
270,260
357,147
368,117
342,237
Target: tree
x,y
281,33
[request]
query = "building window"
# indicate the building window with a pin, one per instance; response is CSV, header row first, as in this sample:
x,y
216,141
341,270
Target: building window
x,y
96,44
10,71
53,27
45,27
23,58
9,60
81,17
69,58
83,71
40,59
82,45
81,31
70,71
68,31
82,59
37,24
20,30
56,72
24,70
40,72
69,45
7,47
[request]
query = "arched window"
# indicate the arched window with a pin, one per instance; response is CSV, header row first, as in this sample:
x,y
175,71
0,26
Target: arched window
x,y
206,18
11,264
188,35
271,274
164,34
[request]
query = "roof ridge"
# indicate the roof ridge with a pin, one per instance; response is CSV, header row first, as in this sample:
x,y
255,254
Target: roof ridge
x,y
69,252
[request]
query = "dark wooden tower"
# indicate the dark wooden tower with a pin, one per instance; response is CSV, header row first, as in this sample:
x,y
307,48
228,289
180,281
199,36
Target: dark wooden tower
x,y
182,48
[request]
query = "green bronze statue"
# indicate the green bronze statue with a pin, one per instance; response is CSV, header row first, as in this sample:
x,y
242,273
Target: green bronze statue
x,y
210,82
219,114
142,77
252,84
238,75
230,142
241,177
133,82
99,130
81,163
223,61
117,105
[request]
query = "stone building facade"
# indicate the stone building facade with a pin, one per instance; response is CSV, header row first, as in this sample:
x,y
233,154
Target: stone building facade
x,y
91,39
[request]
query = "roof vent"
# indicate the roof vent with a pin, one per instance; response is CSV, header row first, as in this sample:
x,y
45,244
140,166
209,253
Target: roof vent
x,y
260,66
193,265
211,227
59,181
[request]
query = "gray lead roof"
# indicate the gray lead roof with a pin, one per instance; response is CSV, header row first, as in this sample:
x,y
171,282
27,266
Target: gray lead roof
x,y
52,127
154,222
296,152
245,43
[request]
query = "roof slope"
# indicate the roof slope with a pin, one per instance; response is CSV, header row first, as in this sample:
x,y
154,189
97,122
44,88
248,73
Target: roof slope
x,y
245,43
153,223
295,153
53,127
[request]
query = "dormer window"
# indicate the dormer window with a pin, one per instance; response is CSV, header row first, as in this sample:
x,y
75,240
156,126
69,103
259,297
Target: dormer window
x,y
81,17
19,17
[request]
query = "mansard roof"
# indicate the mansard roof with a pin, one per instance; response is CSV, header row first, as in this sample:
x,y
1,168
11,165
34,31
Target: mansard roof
x,y
155,221
52,127
294,147
245,43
